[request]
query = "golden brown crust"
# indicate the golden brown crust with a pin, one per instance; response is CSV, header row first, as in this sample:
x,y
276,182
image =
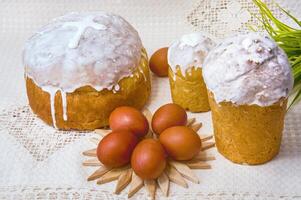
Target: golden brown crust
x,y
88,109
189,91
249,133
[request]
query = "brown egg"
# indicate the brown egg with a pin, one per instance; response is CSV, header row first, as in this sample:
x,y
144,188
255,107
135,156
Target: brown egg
x,y
129,118
158,62
181,142
116,148
148,159
167,116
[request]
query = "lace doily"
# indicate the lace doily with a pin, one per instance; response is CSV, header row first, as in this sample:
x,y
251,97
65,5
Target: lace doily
x,y
83,193
39,162
222,18
38,138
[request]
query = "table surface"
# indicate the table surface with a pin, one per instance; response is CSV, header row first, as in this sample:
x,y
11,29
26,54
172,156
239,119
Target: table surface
x,y
39,162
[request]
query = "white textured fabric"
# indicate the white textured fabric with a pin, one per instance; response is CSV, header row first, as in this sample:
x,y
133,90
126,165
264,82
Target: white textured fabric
x,y
39,162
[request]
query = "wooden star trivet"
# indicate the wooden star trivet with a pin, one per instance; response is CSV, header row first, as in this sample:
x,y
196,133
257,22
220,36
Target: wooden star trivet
x,y
175,171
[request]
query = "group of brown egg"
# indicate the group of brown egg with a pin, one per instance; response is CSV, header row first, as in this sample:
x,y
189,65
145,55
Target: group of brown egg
x,y
127,144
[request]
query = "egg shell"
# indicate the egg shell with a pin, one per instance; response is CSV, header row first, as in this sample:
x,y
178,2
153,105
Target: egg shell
x,y
181,142
129,118
158,62
116,148
167,116
148,159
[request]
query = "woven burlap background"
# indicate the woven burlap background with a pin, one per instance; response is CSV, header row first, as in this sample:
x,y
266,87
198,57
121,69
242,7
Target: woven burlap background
x,y
39,162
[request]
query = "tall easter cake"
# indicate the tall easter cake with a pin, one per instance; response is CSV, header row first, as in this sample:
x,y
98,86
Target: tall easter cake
x,y
185,58
248,79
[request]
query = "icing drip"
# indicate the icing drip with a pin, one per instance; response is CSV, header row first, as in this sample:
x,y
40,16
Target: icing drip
x,y
52,91
117,87
64,104
81,28
144,56
52,108
141,71
174,78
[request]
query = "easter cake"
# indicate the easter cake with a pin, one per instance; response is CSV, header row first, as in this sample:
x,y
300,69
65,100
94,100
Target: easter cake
x,y
249,78
185,58
81,66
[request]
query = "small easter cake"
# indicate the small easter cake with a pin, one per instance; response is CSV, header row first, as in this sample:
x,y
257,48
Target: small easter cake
x,y
81,66
249,79
185,58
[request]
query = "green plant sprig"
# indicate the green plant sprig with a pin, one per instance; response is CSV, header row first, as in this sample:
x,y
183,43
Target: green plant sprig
x,y
288,38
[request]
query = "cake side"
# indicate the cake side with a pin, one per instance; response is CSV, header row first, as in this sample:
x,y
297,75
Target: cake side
x,y
189,90
248,134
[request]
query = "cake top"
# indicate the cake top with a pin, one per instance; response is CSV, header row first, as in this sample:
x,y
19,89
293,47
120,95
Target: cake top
x,y
248,69
80,49
189,51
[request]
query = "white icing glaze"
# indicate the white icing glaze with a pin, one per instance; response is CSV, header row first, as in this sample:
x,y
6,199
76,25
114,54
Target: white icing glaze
x,y
248,69
142,72
79,49
190,51
81,28
117,87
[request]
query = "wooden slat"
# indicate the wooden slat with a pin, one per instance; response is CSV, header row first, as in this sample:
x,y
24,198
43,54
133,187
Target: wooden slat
x,y
163,183
112,175
184,170
175,176
190,122
151,187
206,138
148,114
123,180
198,165
90,152
135,185
92,162
196,127
98,173
207,145
202,156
